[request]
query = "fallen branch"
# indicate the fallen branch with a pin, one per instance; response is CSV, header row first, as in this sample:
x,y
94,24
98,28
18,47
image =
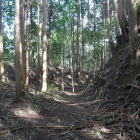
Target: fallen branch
x,y
135,86
58,127
9,84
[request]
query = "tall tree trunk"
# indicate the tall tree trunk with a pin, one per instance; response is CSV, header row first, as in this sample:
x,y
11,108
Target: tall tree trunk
x,y
49,33
117,27
79,37
82,51
39,43
62,66
2,77
22,32
89,50
103,54
133,29
27,47
31,30
44,55
73,43
109,28
71,49
18,52
122,19
49,43
103,43
71,61
94,42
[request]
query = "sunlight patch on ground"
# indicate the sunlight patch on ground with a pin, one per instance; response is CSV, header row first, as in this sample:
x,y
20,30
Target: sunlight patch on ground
x,y
91,134
1,125
85,103
27,113
101,133
70,93
52,94
105,130
65,92
59,100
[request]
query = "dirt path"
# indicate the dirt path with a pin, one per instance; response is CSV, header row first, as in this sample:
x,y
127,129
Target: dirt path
x,y
42,117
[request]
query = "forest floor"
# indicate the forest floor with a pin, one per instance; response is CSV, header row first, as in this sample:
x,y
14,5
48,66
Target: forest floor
x,y
57,116
106,109
51,116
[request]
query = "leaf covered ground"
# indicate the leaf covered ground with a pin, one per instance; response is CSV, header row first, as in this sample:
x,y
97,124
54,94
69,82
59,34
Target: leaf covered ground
x,y
53,117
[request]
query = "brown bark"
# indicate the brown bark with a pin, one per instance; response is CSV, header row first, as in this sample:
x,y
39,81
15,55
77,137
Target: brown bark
x,y
122,19
79,39
39,44
22,32
62,66
89,50
49,32
103,58
18,52
94,43
103,54
31,28
109,30
2,77
133,29
117,27
71,50
27,47
44,50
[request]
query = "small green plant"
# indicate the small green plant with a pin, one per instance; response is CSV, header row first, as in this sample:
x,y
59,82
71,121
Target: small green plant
x,y
107,121
57,95
38,97
135,82
53,87
72,135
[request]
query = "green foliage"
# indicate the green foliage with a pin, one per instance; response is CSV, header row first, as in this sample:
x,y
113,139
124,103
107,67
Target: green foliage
x,y
72,135
38,97
8,49
62,13
57,95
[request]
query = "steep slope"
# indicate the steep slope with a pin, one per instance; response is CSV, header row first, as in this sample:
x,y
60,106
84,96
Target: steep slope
x,y
55,77
116,94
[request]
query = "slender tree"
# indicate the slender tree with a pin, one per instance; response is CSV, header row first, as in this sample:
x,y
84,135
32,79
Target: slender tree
x,y
27,46
62,65
79,39
44,55
39,42
49,32
109,31
22,32
2,77
18,52
31,34
94,42
103,59
71,49
89,50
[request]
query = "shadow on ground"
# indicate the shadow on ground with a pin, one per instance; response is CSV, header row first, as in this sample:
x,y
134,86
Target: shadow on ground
x,y
43,117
